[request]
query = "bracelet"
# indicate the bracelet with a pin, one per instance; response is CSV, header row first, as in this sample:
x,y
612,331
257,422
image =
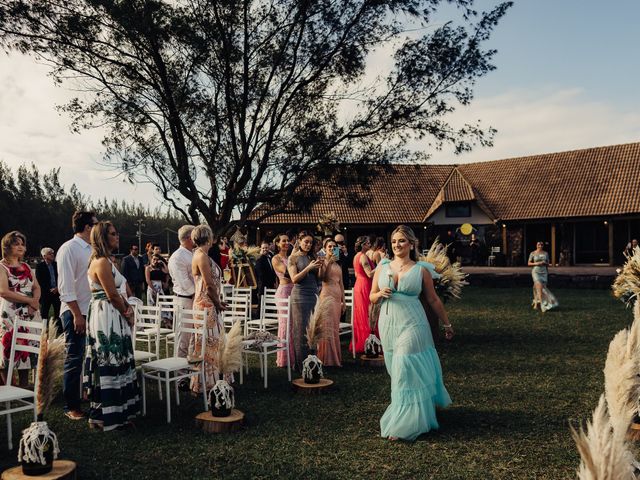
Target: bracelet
x,y
447,326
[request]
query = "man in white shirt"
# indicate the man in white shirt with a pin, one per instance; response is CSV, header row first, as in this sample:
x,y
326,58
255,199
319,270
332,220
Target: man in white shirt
x,y
75,295
184,286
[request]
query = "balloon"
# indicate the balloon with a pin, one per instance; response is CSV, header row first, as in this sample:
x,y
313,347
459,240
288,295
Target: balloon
x,y
466,228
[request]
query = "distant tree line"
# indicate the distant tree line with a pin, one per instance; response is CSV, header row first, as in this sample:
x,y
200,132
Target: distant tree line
x,y
39,206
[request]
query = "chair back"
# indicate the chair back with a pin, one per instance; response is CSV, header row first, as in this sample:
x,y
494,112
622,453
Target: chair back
x,y
273,310
237,309
169,305
192,322
348,298
25,338
146,317
227,291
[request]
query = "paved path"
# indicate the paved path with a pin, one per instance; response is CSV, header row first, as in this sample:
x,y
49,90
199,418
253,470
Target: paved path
x,y
605,271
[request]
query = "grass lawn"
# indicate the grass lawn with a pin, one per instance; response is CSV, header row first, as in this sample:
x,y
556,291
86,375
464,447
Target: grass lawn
x,y
516,377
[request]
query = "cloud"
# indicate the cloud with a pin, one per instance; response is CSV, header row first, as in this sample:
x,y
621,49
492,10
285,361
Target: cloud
x,y
544,120
33,131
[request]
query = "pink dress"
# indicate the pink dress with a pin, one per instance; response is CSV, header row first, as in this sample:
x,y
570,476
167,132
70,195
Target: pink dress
x,y
361,291
329,350
283,291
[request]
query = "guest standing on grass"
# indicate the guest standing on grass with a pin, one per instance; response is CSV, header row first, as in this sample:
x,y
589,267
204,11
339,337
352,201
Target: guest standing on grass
x,y
73,262
19,297
47,275
364,269
417,388
133,267
303,269
110,374
208,286
279,263
183,285
329,351
543,299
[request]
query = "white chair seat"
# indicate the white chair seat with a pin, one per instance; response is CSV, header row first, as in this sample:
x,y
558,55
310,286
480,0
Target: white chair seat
x,y
143,356
152,331
168,364
246,343
10,392
344,325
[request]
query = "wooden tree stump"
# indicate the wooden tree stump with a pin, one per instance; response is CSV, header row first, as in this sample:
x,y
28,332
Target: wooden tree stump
x,y
312,388
372,362
211,424
62,470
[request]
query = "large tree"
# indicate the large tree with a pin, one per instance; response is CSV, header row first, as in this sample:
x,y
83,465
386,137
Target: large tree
x,y
227,104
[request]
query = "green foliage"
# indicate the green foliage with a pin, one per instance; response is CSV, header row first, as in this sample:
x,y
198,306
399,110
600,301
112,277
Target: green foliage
x,y
40,207
517,378
226,105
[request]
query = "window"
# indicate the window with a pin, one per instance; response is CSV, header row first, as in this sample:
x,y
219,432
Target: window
x,y
457,209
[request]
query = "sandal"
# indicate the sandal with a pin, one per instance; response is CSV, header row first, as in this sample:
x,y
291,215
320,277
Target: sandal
x,y
74,415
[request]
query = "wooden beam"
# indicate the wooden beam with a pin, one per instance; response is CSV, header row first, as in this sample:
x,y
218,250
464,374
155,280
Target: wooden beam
x,y
553,244
504,242
610,225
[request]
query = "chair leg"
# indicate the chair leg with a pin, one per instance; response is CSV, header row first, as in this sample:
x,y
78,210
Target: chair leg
x,y
168,397
264,350
175,385
144,395
159,387
9,432
204,389
244,359
288,363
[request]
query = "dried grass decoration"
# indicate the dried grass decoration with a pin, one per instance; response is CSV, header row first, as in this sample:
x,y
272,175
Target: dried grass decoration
x,y
373,345
452,278
626,286
221,396
316,332
604,453
39,445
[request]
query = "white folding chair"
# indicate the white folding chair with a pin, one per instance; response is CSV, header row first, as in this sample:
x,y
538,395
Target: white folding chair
x,y
346,328
276,308
174,369
168,308
30,334
267,321
227,291
146,330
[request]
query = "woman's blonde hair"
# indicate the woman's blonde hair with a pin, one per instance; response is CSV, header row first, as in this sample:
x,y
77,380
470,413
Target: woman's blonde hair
x,y
201,235
100,240
11,239
410,236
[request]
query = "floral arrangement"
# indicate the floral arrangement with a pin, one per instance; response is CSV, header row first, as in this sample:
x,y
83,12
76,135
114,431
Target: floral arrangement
x,y
626,286
245,255
452,278
328,223
259,337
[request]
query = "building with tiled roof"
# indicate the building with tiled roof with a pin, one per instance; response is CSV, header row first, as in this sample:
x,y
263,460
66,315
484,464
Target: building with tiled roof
x,y
585,204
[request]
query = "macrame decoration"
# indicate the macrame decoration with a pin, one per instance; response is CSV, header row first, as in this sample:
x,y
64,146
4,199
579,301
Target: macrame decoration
x,y
38,449
221,399
312,369
372,346
221,396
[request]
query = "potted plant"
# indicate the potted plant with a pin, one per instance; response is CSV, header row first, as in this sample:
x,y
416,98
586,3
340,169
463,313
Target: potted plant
x,y
39,445
221,395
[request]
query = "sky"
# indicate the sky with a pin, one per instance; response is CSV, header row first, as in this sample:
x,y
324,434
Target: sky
x,y
566,78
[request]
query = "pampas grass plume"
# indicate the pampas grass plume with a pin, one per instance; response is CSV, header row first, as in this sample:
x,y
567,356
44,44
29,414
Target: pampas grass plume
x,y
603,452
316,330
230,350
50,366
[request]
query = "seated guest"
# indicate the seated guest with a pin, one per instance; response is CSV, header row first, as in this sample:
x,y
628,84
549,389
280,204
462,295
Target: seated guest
x,y
47,275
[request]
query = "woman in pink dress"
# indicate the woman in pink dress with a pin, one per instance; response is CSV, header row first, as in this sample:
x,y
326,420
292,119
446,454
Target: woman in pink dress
x,y
333,288
364,270
285,285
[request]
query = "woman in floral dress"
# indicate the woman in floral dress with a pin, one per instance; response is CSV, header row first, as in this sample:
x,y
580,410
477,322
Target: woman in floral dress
x,y
110,377
207,276
19,296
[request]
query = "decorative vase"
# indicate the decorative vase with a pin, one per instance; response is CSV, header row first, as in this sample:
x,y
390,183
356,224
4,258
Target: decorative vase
x,y
221,399
38,449
372,346
312,368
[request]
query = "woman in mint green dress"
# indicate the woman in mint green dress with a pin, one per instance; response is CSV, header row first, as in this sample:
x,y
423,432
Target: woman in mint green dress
x,y
409,353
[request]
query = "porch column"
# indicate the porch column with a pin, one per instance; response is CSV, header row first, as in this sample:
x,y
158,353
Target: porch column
x,y
610,225
504,241
258,236
553,244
